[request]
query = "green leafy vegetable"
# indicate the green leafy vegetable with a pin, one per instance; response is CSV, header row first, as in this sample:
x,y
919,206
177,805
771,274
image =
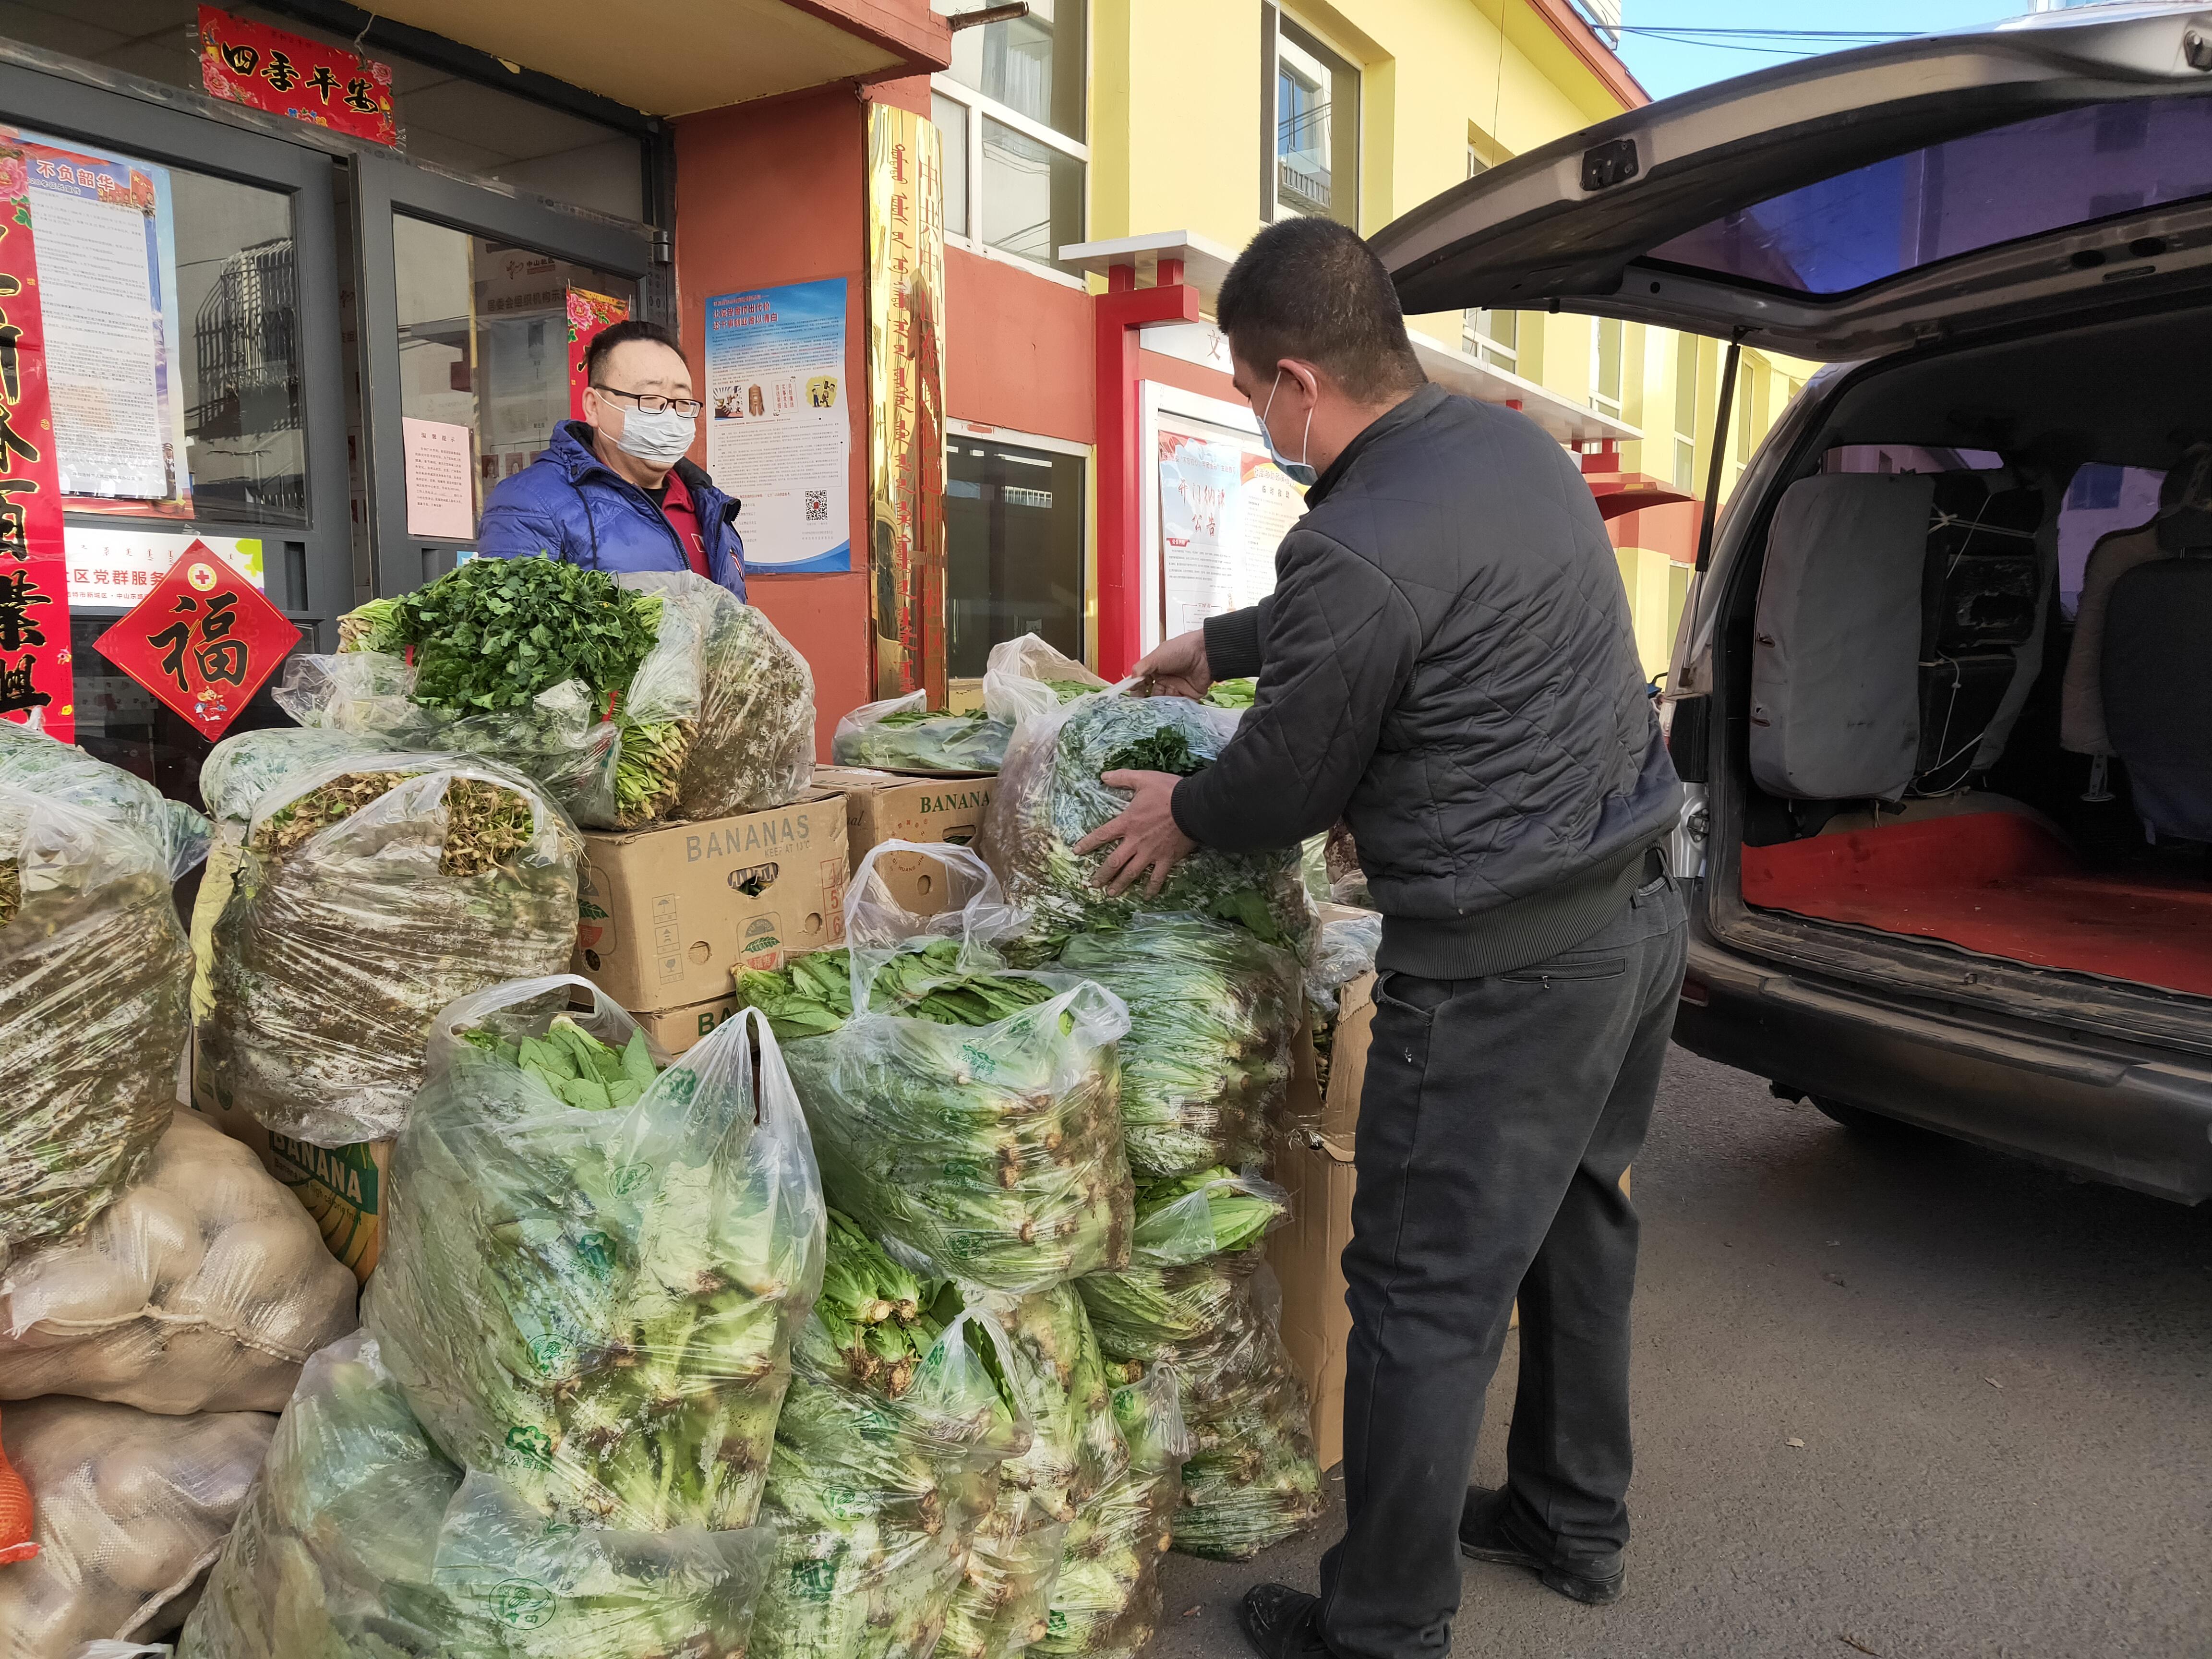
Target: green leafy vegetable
x,y
917,740
1232,694
813,993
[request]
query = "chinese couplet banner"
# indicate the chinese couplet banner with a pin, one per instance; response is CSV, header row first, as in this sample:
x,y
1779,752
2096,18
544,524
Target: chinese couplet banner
x,y
203,641
34,620
906,388
589,315
289,74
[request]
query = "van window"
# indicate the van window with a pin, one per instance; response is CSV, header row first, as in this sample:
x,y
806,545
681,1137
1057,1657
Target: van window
x,y
1842,232
1908,458
2100,499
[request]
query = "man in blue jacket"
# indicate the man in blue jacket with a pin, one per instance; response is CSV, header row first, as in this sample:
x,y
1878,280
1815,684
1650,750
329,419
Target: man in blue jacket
x,y
613,491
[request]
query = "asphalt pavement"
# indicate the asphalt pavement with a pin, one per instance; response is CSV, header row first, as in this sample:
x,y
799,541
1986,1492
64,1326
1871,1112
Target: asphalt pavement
x,y
1895,1396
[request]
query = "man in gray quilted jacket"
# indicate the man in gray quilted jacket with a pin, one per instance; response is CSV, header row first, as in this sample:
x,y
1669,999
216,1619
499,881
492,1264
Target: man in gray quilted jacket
x,y
1447,664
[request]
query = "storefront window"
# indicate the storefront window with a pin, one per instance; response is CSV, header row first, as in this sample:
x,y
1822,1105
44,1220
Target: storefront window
x,y
483,344
1013,521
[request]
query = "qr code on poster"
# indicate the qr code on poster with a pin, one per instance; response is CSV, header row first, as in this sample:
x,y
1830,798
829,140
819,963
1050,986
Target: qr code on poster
x,y
818,506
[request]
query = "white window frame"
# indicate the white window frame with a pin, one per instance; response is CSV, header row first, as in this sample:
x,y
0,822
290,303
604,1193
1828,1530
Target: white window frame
x,y
1606,403
977,105
1272,208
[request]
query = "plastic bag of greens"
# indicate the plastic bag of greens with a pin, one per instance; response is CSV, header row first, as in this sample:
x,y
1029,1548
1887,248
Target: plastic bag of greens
x,y
131,1509
594,1258
1213,1014
1344,949
887,1459
903,734
94,973
967,1120
648,696
1051,795
1253,1479
202,1289
367,893
1026,677
361,1541
1184,1298
1053,1369
1106,1600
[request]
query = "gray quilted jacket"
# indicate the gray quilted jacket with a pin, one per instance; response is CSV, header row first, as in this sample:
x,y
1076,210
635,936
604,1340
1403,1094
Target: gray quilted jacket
x,y
1447,664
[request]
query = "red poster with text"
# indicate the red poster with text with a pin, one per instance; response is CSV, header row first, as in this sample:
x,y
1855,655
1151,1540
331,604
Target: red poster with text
x,y
589,315
34,620
289,74
203,641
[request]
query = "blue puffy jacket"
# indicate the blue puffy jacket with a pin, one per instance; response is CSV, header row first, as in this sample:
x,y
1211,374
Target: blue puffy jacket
x,y
572,505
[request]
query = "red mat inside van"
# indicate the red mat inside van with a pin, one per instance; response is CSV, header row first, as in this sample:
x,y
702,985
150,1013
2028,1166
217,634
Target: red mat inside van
x,y
1998,884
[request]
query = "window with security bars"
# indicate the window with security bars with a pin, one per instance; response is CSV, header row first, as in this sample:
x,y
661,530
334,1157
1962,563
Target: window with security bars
x,y
1311,157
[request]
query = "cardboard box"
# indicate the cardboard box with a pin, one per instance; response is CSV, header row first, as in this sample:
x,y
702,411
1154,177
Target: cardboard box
x,y
668,911
881,806
679,1029
346,1189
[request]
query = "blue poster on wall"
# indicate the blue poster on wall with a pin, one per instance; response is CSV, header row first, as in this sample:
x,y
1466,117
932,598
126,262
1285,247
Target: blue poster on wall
x,y
779,422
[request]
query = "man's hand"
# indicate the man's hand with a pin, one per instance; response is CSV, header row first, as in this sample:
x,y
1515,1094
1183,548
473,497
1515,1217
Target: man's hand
x,y
1146,828
1179,667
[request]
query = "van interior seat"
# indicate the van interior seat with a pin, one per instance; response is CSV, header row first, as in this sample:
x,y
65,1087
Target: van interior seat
x,y
2082,709
1997,884
2157,684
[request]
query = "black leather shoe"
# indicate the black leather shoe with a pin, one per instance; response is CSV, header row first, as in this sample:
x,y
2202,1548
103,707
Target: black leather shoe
x,y
1282,1623
1486,1534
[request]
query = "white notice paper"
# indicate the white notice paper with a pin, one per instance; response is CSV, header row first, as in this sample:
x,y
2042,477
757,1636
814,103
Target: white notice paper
x,y
95,285
440,479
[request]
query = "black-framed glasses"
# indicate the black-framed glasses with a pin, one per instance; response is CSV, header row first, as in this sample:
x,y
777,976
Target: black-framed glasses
x,y
652,403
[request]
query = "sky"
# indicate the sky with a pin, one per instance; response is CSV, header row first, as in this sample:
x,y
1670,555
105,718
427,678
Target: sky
x,y
1668,65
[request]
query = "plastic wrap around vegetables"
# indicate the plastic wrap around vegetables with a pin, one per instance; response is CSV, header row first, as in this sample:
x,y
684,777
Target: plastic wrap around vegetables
x,y
1050,796
593,1263
94,973
887,1458
1026,676
131,1509
1207,1062
1106,1600
348,901
202,1289
1344,949
968,1121
652,695
904,734
361,1541
1055,1374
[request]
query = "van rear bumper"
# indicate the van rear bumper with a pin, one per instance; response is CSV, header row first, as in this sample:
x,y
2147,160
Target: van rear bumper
x,y
2140,1118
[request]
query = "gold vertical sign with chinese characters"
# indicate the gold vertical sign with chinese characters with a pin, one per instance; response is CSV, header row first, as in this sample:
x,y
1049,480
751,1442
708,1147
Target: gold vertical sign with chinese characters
x,y
906,415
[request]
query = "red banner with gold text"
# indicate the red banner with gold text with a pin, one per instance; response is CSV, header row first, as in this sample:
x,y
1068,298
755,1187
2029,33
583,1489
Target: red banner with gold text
x,y
34,619
288,74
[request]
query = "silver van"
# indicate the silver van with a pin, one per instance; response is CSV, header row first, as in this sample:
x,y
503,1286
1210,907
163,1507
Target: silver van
x,y
1943,691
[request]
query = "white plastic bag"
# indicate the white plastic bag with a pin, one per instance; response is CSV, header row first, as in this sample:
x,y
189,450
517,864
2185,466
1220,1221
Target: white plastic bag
x,y
204,1288
1027,677
899,734
131,1509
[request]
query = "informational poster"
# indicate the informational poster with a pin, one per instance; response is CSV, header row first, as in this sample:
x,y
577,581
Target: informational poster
x,y
1223,509
203,641
779,422
440,479
288,74
35,677
107,247
117,563
590,315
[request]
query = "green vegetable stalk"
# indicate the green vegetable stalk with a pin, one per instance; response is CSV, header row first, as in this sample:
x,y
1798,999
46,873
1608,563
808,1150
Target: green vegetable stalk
x,y
938,981
95,972
1232,694
356,898
360,1541
1050,796
593,1264
887,1459
1206,1064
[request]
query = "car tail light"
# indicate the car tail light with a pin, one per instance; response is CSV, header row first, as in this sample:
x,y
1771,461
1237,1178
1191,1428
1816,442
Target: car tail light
x,y
1694,992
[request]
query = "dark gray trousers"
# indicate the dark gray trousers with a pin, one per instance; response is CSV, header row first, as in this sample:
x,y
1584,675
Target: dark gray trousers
x,y
1496,1120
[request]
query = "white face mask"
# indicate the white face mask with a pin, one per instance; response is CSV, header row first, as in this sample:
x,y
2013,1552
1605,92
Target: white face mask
x,y
659,439
1301,472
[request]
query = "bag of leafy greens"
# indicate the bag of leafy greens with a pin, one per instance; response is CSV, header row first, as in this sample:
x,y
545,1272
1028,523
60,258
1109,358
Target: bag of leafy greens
x,y
904,734
94,973
357,898
1026,677
595,1258
887,1459
361,1541
1106,1601
1051,794
1053,1369
652,695
965,1114
1206,1063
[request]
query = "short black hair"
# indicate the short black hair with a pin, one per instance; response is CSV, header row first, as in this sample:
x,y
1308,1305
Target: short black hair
x,y
1310,288
622,333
